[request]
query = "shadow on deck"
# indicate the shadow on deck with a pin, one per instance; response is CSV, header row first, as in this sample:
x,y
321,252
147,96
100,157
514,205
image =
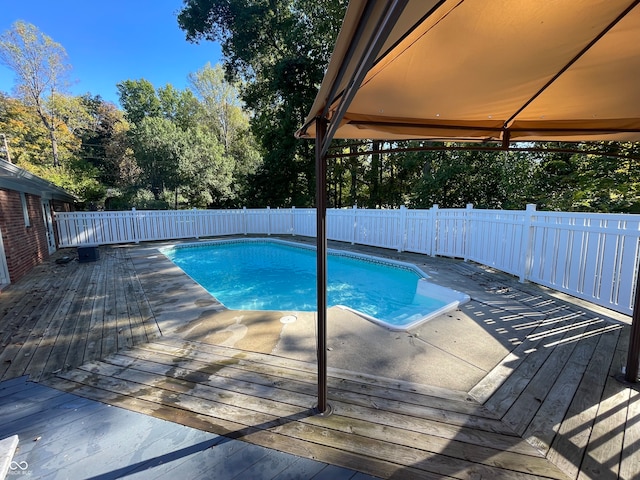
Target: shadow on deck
x,y
548,407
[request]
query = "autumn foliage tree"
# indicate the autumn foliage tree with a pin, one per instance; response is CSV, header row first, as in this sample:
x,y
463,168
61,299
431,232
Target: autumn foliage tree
x,y
40,65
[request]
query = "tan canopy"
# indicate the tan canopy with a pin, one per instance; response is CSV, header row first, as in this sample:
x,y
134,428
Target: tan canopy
x,y
476,70
499,70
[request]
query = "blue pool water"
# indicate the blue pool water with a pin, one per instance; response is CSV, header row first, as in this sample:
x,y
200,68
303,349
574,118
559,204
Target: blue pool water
x,y
271,275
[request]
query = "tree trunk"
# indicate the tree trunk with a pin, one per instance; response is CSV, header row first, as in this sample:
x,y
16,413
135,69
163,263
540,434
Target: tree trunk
x,y
54,147
353,169
49,125
340,183
374,185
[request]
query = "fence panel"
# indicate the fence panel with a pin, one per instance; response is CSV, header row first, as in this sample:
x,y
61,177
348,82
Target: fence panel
x,y
257,220
281,221
419,236
164,224
451,231
304,222
590,256
377,228
496,238
78,228
212,223
341,224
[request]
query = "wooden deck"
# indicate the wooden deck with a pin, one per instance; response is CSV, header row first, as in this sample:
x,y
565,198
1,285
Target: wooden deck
x,y
66,436
65,314
551,409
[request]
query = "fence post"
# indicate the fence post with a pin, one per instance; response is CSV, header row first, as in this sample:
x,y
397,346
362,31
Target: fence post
x,y
244,220
293,221
527,233
195,223
355,224
402,228
433,244
268,221
468,214
134,225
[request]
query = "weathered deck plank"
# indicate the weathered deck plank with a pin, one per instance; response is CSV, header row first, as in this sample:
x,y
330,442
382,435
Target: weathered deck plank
x,y
132,300
293,369
93,346
604,452
78,338
60,343
17,305
381,400
55,318
569,445
208,373
409,441
360,413
230,429
44,328
19,323
109,321
526,406
631,445
544,426
500,388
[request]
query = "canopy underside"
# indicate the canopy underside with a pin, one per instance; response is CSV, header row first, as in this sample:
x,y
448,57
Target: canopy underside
x,y
564,70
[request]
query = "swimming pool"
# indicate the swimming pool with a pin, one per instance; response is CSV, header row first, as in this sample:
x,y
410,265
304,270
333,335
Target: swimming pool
x,y
260,274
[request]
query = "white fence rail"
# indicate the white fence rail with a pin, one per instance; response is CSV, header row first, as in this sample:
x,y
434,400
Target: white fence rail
x,y
590,256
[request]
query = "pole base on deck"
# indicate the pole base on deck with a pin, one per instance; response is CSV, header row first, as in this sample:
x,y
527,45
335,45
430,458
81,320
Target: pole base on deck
x,y
328,412
622,378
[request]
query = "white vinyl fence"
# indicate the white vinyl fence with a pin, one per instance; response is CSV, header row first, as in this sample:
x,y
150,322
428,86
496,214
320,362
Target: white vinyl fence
x,y
590,256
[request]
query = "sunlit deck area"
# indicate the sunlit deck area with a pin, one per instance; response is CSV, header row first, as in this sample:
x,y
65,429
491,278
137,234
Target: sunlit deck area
x,y
519,383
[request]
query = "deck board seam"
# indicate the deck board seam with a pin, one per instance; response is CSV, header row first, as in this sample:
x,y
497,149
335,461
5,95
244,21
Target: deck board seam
x,y
338,401
344,438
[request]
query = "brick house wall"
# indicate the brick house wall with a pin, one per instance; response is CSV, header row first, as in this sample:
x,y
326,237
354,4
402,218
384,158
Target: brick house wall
x,y
25,247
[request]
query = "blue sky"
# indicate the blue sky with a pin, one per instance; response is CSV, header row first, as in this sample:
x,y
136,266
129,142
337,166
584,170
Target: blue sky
x,y
111,41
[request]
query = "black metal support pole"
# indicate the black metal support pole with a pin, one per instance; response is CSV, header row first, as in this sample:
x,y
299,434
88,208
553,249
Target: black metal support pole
x,y
631,372
321,261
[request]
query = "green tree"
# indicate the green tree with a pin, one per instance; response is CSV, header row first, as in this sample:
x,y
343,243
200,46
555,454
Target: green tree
x,y
28,138
206,172
30,149
186,162
179,106
76,177
555,179
156,148
221,104
280,50
223,114
608,183
105,144
139,100
40,65
454,178
516,178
